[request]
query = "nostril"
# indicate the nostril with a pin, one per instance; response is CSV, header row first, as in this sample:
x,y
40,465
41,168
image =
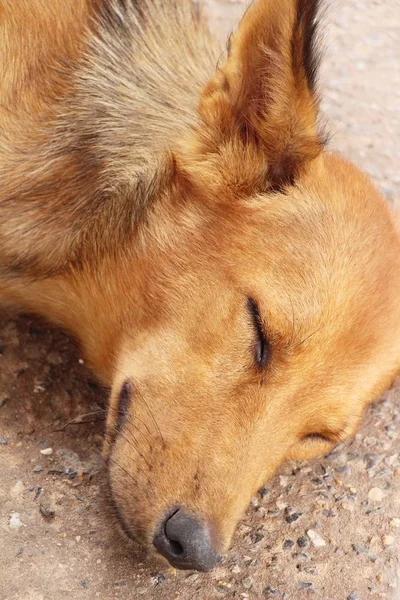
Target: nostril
x,y
175,546
185,542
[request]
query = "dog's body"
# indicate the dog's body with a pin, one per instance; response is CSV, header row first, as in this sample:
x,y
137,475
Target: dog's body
x,y
235,285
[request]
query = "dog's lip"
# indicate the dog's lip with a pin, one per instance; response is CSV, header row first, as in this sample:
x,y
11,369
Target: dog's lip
x,y
119,515
122,523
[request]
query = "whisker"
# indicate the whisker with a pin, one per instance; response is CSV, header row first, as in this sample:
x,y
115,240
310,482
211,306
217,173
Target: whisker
x,y
133,424
117,464
75,420
152,417
141,432
79,423
309,336
130,443
137,389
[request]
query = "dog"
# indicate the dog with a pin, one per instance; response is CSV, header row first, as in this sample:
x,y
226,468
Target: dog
x,y
234,283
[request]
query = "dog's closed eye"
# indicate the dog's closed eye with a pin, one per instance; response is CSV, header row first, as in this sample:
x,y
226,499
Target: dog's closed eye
x,y
262,350
124,401
317,437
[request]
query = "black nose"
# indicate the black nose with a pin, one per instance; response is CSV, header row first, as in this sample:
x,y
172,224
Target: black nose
x,y
185,542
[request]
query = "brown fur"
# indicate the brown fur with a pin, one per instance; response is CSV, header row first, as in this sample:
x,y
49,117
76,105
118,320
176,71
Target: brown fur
x,y
145,198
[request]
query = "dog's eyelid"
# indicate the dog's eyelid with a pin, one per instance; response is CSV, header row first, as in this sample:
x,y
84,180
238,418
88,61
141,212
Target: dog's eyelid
x,y
317,437
326,436
263,349
124,400
255,313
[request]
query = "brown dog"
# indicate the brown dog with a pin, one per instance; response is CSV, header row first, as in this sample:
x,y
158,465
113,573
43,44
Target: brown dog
x,y
235,284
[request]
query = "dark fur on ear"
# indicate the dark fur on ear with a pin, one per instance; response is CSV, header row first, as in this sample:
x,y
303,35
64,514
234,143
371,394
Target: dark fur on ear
x,y
261,107
306,47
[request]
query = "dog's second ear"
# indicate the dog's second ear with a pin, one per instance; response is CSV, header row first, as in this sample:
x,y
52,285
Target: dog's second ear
x,y
259,112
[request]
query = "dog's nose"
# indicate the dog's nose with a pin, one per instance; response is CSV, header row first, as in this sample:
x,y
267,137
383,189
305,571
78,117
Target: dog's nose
x,y
185,542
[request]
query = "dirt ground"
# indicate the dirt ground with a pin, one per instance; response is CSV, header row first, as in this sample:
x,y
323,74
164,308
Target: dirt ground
x,y
326,530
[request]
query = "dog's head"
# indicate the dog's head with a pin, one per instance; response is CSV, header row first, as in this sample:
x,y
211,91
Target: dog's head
x,y
269,313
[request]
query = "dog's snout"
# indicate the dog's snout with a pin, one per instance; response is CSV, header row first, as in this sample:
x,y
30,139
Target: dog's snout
x,y
185,542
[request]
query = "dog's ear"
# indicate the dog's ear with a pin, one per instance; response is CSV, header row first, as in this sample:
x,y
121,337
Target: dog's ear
x,y
260,109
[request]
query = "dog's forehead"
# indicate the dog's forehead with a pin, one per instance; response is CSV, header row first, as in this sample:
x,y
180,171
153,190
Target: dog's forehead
x,y
315,252
321,231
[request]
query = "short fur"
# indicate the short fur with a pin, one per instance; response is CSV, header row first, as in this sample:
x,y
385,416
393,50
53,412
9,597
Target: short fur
x,y
148,198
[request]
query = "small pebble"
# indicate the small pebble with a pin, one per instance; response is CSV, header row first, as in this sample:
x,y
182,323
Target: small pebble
x,y
119,584
310,570
17,489
256,537
288,544
193,577
305,585
47,451
158,579
388,540
3,441
302,542
372,557
376,494
15,521
294,517
353,596
37,469
269,592
395,523
236,569
343,469
222,588
316,539
247,583
46,511
370,441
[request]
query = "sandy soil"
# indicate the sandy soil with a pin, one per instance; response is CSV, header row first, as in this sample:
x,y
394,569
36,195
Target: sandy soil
x,y
57,535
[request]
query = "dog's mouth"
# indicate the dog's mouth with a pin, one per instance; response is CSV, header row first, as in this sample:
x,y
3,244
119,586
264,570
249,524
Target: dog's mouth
x,y
185,540
117,512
